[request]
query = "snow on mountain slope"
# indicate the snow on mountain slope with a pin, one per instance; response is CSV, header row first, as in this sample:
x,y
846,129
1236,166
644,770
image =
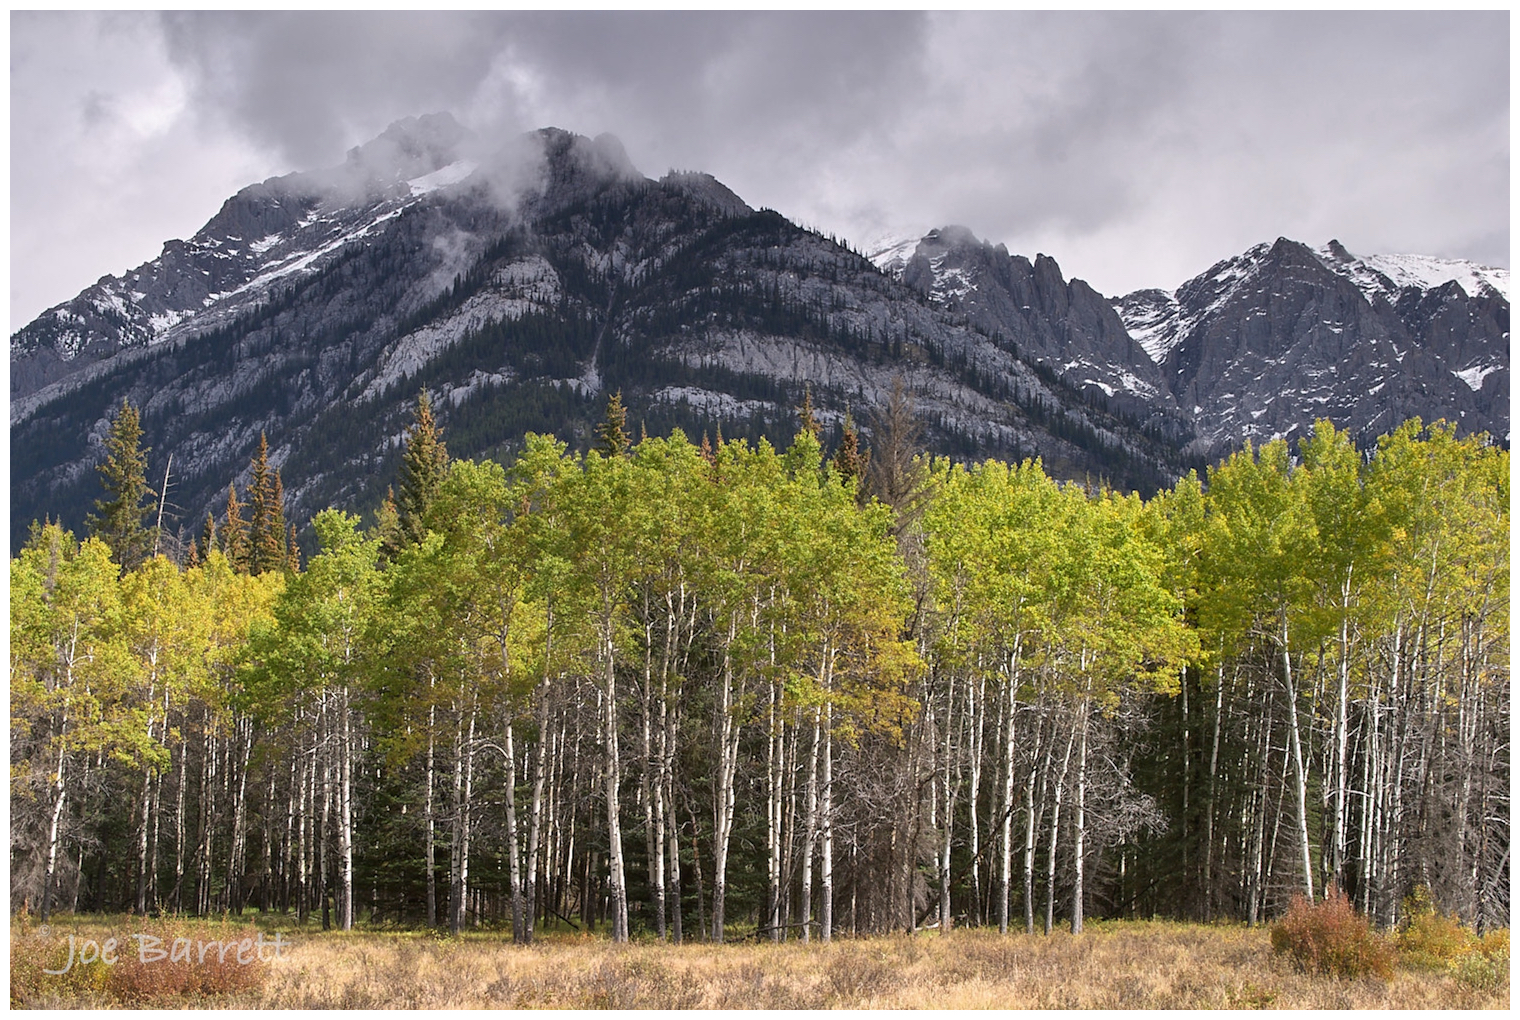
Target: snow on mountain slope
x,y
1386,275
890,253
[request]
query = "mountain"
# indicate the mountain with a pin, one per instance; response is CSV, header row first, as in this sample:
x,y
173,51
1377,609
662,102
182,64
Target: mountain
x,y
521,281
1264,343
520,285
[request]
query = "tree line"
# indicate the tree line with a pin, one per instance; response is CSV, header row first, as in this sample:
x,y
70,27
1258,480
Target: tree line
x,y
698,689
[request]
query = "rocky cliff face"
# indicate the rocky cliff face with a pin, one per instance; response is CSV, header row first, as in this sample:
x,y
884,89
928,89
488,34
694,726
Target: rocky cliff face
x,y
1263,344
522,284
520,288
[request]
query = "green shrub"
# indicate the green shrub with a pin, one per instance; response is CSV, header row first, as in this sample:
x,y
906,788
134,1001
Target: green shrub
x,y
1330,937
1432,940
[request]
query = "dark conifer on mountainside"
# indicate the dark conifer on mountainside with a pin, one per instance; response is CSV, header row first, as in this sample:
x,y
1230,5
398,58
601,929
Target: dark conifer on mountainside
x,y
423,465
808,421
119,516
235,533
849,461
266,529
613,431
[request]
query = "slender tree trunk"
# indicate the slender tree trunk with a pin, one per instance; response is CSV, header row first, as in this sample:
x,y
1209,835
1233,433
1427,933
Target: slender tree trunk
x,y
810,826
614,774
723,790
826,876
1055,832
1301,779
346,811
430,820
1079,843
1010,760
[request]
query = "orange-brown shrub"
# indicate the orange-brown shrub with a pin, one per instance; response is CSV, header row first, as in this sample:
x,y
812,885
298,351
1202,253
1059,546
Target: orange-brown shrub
x,y
1330,937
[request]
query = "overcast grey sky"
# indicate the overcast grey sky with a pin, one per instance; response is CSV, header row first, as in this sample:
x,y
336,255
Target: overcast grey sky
x,y
1135,148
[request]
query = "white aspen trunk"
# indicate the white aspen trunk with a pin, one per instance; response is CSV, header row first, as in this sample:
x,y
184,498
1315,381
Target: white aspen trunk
x,y
1010,757
1055,832
1079,843
947,795
672,823
723,792
1300,776
536,810
326,827
456,885
238,858
303,835
773,770
430,813
145,808
976,710
1338,819
1031,823
55,825
1255,878
654,860
826,866
810,827
514,851
179,822
1208,819
466,825
614,775
346,811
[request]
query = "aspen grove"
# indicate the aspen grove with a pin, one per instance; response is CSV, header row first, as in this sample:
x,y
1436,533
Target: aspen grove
x,y
718,690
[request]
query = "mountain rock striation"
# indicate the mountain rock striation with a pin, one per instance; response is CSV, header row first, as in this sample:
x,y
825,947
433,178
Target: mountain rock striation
x,y
522,281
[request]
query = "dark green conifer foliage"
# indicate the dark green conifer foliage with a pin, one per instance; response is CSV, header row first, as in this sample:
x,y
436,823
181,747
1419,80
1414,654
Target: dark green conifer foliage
x,y
235,533
118,518
613,431
423,465
388,526
849,461
266,530
809,421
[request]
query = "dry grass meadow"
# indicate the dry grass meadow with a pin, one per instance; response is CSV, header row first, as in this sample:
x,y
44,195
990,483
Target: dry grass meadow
x,y
1114,965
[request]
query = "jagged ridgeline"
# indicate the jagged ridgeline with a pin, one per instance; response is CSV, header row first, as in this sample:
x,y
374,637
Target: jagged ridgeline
x,y
523,282
519,305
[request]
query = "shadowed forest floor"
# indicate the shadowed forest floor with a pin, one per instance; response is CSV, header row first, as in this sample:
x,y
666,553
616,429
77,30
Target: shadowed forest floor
x,y
1114,965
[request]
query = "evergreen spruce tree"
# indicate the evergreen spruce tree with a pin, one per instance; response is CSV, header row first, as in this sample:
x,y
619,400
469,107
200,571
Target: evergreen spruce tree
x,y
423,465
849,461
293,553
808,420
118,520
388,526
235,533
613,431
266,529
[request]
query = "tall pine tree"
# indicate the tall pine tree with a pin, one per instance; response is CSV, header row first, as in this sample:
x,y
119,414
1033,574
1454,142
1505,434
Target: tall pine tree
x,y
423,465
266,530
235,533
118,520
613,431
